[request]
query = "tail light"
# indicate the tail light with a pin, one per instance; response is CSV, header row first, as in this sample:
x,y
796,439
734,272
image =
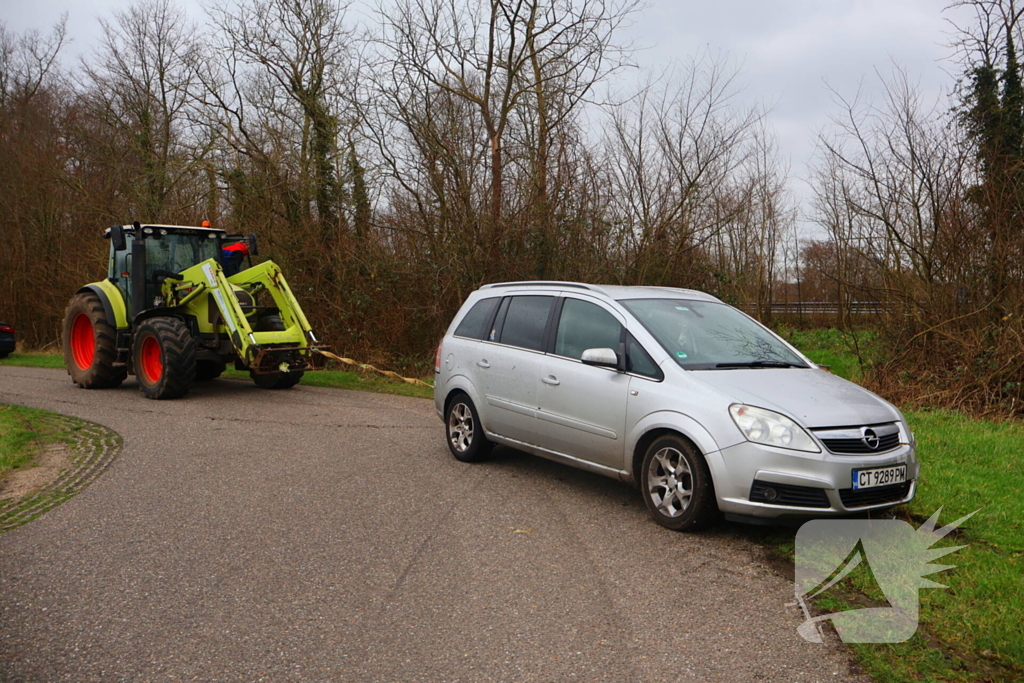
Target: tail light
x,y
10,328
437,358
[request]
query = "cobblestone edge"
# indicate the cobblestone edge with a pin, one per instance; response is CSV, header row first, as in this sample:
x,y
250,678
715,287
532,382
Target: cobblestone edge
x,y
92,449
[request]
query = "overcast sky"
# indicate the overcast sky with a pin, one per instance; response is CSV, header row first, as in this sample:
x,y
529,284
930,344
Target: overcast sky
x,y
789,50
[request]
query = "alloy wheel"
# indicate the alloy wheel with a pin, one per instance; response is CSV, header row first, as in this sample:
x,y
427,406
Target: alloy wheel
x,y
460,427
670,482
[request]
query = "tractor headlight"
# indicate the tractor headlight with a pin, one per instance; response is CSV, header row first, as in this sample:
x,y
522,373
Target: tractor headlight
x,y
147,231
771,429
163,231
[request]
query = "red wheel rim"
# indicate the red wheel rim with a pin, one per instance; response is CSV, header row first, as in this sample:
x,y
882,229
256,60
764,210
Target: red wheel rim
x,y
83,342
150,360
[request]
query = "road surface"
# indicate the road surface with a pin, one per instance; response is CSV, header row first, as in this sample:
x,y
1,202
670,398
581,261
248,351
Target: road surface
x,y
326,535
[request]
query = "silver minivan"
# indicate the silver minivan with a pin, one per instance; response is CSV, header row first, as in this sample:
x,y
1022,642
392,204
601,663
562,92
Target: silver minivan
x,y
703,408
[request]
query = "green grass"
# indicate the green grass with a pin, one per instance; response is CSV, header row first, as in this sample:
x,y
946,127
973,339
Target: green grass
x,y
22,434
835,348
338,379
973,631
35,359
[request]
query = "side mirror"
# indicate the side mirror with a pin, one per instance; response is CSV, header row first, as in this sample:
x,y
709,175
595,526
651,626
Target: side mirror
x,y
117,240
602,358
253,249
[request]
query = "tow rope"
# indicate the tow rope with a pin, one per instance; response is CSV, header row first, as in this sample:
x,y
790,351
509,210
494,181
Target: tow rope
x,y
367,366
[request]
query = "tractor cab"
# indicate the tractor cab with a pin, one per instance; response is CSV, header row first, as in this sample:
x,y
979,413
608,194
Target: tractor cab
x,y
143,256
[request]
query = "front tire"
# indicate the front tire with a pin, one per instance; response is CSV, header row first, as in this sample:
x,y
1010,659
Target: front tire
x,y
274,380
164,355
463,431
676,485
90,344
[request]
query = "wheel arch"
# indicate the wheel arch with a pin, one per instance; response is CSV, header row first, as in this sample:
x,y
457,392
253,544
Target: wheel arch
x,y
460,384
113,304
661,423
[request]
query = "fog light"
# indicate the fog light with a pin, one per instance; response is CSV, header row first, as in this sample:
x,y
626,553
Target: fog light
x,y
770,494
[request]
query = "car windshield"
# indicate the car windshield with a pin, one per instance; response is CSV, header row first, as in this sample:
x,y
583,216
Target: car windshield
x,y
703,335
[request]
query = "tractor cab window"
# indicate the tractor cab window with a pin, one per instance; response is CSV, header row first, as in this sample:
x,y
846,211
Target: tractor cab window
x,y
176,252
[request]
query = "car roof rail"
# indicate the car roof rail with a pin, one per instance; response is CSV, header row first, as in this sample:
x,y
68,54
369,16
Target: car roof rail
x,y
538,283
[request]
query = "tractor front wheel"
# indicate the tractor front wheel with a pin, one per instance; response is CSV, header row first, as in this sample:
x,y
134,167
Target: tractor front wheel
x,y
90,344
274,380
164,355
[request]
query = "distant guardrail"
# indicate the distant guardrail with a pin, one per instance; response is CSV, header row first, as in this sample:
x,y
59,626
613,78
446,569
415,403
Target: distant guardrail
x,y
816,308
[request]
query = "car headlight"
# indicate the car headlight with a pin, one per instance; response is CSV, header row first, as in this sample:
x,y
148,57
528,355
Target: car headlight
x,y
906,436
771,428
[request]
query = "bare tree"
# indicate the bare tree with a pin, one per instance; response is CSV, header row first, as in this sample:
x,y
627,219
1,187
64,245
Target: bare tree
x,y
140,80
681,160
496,54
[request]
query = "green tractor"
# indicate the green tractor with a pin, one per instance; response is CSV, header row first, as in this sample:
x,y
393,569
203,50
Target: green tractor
x,y
179,305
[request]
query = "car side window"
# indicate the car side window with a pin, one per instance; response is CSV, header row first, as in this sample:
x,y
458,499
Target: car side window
x,y
583,326
525,320
639,362
474,325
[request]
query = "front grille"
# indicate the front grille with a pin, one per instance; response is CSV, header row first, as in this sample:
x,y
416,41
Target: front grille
x,y
788,494
866,440
858,447
857,498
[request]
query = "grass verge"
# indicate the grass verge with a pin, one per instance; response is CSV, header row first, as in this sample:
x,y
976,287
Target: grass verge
x,y
337,379
22,436
974,631
35,359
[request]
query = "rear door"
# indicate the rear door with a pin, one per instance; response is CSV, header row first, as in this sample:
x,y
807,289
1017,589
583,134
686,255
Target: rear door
x,y
582,408
510,366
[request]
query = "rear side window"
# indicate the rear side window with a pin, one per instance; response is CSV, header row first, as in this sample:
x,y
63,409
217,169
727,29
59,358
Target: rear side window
x,y
583,326
474,325
525,321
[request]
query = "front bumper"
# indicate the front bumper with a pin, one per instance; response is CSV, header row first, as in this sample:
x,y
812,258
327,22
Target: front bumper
x,y
825,475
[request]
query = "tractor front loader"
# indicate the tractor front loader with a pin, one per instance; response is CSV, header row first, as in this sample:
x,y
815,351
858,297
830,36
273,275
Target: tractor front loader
x,y
174,310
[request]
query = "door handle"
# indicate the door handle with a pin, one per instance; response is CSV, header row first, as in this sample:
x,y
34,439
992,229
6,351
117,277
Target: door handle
x,y
483,364
551,379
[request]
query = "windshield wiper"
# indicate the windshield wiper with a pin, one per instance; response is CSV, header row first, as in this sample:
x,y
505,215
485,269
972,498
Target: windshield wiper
x,y
761,364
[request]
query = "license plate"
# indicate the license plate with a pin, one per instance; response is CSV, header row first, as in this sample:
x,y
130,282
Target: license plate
x,y
879,476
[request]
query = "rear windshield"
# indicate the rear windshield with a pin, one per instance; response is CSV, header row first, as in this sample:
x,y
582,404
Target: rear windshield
x,y
704,335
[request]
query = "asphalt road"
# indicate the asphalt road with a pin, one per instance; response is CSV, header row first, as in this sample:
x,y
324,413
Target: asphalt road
x,y
325,535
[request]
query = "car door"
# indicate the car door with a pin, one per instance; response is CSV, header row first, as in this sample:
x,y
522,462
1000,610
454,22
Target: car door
x,y
582,408
509,365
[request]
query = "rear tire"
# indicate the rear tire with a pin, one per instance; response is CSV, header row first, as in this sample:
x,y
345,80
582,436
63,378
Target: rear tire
x,y
164,355
463,431
90,344
274,380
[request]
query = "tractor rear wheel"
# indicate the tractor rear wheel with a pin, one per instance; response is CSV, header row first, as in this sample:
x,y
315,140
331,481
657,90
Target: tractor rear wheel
x,y
274,380
164,355
90,344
